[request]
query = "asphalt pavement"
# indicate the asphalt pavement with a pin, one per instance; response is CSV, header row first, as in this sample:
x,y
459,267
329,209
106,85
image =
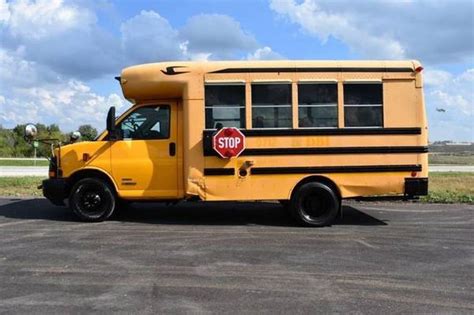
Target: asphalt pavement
x,y
236,258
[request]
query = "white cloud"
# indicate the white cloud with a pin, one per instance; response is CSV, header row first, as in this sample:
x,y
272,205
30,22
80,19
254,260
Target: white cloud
x,y
323,24
198,39
265,53
4,12
148,37
37,19
200,56
17,72
435,32
69,103
218,35
436,77
61,36
456,96
65,38
51,48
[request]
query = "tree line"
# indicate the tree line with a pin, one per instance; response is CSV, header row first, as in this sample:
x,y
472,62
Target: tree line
x,y
13,144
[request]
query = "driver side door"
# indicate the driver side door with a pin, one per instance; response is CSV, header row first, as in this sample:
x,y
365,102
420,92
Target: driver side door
x,y
144,161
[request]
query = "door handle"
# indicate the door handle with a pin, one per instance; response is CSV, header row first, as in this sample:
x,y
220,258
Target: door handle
x,y
172,149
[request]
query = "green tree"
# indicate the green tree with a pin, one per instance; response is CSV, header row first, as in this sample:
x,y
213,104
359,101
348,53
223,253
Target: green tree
x,y
24,149
20,147
13,144
88,133
6,142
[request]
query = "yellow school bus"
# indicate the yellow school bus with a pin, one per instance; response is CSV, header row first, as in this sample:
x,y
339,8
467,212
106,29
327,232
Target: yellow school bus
x,y
316,132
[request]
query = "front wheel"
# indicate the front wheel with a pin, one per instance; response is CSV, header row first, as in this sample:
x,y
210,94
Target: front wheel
x,y
315,204
92,200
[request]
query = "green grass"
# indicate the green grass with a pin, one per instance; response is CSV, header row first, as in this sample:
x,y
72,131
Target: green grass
x,y
450,187
446,187
451,159
23,163
20,186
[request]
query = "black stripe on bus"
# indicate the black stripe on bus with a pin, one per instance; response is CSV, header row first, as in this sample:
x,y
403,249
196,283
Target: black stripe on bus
x,y
334,169
331,132
219,171
207,134
312,69
324,132
327,150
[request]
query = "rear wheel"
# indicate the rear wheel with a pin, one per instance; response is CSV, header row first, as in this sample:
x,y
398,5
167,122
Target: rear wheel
x,y
315,204
92,200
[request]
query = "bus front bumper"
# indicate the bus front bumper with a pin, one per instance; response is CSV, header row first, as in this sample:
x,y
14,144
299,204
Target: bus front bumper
x,y
54,189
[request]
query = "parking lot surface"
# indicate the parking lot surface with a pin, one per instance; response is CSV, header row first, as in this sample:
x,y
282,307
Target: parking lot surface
x,y
237,257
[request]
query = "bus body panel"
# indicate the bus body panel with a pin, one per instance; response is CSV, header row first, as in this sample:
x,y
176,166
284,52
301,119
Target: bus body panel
x,y
360,162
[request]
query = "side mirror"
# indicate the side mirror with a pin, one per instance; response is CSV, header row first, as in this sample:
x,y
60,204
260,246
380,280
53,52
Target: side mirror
x,y
111,124
30,132
111,119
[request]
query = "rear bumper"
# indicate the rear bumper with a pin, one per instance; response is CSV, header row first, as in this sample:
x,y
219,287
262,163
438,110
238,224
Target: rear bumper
x,y
416,187
54,189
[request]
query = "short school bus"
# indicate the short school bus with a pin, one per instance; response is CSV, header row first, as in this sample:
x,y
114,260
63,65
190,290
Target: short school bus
x,y
315,132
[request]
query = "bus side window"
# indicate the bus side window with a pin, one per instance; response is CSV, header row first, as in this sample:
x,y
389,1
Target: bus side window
x,y
363,105
225,106
271,105
317,105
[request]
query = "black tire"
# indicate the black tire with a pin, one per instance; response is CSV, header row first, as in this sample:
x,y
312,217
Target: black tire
x,y
315,204
92,200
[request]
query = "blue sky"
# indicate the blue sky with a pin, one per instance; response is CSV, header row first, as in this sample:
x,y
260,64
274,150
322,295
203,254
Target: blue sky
x,y
58,58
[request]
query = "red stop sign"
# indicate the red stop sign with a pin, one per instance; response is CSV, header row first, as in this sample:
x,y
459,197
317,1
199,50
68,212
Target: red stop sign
x,y
228,142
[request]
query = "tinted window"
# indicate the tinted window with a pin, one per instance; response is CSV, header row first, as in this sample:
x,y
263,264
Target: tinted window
x,y
312,94
151,122
271,94
317,116
363,116
317,105
271,106
363,105
225,106
356,94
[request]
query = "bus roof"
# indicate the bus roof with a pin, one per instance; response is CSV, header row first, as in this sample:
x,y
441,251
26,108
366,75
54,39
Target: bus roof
x,y
148,80
218,66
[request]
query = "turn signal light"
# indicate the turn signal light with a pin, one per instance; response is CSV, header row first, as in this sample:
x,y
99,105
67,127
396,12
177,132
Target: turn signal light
x,y
413,174
52,174
419,69
86,157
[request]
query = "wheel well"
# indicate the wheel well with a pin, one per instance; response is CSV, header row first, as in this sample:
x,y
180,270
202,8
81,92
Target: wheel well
x,y
319,179
84,174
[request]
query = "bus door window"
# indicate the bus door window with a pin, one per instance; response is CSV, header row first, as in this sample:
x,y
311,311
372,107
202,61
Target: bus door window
x,y
147,123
